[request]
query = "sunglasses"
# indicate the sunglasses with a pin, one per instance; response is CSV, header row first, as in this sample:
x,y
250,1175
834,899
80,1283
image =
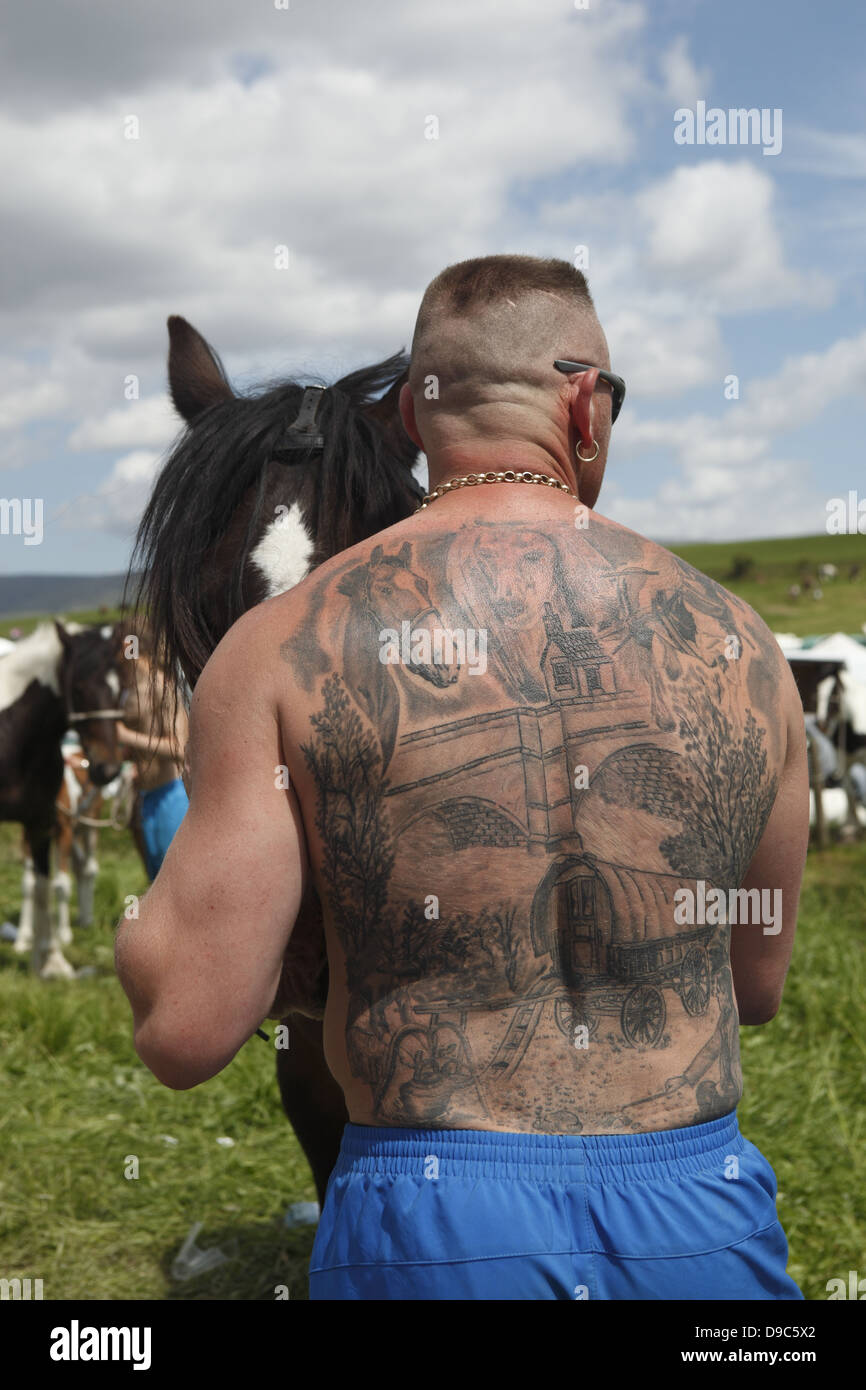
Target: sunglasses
x,y
616,383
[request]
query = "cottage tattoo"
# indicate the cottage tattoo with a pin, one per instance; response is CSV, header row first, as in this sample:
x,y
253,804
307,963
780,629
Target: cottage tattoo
x,y
500,852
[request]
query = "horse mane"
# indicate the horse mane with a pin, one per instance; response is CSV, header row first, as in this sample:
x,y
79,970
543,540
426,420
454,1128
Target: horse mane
x,y
364,484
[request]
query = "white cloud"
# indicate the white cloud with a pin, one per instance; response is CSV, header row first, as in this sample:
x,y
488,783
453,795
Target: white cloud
x,y
713,228
838,154
150,421
727,479
665,356
35,399
117,504
684,82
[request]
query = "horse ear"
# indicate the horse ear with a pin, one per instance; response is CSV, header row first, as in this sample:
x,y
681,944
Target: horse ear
x,y
352,583
404,555
65,637
376,555
196,376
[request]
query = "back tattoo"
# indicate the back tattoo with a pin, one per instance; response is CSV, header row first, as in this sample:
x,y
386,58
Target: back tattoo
x,y
537,760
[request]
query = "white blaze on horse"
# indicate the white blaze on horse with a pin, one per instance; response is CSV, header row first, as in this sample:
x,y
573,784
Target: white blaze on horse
x,y
56,678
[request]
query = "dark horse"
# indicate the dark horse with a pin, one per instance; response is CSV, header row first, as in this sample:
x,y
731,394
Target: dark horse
x,y
52,679
258,491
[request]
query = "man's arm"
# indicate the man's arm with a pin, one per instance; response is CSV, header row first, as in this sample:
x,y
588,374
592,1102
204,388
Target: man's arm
x,y
202,963
147,743
759,962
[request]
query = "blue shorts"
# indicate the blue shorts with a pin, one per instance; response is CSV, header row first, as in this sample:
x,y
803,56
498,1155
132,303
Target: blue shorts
x,y
162,811
467,1214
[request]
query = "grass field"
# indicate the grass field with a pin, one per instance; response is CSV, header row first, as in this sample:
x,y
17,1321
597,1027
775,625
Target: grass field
x,y
769,569
77,1103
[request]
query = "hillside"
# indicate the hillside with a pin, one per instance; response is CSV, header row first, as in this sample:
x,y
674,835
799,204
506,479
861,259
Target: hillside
x,y
22,595
761,572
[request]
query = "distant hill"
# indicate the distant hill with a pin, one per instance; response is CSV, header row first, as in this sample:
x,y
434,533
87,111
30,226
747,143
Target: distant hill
x,y
785,579
25,595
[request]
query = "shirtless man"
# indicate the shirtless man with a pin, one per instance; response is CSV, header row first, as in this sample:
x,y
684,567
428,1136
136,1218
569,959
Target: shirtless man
x,y
531,757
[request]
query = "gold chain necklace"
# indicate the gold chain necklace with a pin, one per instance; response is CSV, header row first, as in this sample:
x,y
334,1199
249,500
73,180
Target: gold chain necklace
x,y
509,476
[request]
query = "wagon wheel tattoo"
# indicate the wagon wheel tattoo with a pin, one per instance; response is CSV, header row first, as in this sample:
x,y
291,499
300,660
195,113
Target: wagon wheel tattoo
x,y
695,980
570,1015
643,1016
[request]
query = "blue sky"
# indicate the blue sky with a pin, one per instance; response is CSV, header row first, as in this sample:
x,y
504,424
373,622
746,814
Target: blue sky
x,y
556,130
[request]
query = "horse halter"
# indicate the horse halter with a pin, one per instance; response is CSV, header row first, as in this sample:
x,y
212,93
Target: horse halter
x,y
303,433
78,716
81,716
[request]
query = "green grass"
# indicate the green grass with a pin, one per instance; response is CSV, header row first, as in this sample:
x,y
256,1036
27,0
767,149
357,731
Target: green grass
x,y
27,624
777,565
77,1102
804,1100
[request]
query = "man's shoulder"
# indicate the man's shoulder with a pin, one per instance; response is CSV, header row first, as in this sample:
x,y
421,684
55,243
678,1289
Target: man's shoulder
x,y
743,614
326,580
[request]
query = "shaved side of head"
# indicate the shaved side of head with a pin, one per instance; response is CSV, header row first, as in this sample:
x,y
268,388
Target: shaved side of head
x,y
489,329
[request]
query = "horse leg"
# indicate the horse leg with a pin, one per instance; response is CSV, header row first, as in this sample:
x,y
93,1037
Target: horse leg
x,y
61,885
24,939
87,867
64,837
312,1100
47,958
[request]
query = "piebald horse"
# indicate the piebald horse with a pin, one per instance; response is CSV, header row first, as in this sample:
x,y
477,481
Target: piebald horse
x,y
56,678
258,491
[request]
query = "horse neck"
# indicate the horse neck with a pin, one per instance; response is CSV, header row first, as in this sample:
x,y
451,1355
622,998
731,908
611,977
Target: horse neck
x,y
35,658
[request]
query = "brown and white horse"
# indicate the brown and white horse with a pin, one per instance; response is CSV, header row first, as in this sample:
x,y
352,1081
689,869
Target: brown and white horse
x,y
258,491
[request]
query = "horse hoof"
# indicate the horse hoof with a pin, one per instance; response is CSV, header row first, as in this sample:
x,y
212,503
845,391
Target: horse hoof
x,y
56,967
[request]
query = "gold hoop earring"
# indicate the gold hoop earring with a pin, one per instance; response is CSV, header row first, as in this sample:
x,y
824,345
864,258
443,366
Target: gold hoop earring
x,y
592,458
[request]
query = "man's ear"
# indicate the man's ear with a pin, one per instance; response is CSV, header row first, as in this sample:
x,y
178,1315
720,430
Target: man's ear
x,y
581,405
407,415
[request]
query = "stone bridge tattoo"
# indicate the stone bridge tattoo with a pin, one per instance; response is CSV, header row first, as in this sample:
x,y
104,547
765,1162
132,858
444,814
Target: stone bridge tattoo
x,y
501,852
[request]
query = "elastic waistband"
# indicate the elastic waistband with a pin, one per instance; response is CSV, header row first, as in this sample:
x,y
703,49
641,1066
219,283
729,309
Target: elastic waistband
x,y
475,1153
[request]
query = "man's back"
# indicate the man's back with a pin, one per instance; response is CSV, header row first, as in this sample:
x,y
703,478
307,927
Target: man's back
x,y
526,753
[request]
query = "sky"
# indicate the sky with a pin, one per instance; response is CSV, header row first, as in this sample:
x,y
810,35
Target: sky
x,y
152,157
